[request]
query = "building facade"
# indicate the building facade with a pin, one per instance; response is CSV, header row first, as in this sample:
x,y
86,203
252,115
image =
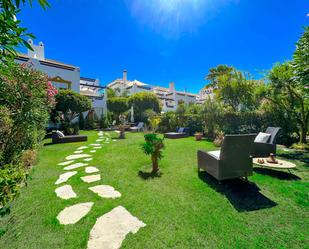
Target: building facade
x,y
65,76
169,97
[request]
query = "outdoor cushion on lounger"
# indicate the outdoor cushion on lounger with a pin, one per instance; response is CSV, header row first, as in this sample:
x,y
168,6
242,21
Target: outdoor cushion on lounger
x,y
173,135
56,138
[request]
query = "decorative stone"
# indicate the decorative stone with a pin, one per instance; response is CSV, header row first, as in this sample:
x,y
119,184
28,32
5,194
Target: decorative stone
x,y
64,177
65,192
91,178
75,166
72,214
111,229
71,157
66,163
105,191
91,169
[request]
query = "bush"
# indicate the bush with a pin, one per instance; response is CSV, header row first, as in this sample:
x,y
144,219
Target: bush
x,y
26,97
28,158
11,178
81,121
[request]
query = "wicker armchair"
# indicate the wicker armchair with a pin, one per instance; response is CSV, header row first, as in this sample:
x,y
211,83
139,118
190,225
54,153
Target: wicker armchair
x,y
265,149
232,161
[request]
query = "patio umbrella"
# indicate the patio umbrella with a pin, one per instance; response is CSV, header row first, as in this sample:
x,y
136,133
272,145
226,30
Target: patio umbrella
x,y
132,114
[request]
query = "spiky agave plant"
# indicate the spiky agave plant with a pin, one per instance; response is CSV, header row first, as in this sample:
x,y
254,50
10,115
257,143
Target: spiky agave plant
x,y
153,146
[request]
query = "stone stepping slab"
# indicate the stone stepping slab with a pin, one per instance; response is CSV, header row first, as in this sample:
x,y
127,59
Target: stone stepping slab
x,y
72,214
92,151
78,152
91,178
72,157
112,228
97,147
65,192
82,147
91,169
64,177
75,166
88,159
66,163
105,191
95,144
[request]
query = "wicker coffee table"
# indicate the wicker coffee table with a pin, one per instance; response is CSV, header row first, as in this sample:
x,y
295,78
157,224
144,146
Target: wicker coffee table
x,y
280,165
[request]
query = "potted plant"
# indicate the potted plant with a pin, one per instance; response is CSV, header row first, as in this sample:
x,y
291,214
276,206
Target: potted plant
x,y
153,146
198,136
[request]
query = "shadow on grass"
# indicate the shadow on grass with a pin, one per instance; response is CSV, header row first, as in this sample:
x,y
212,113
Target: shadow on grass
x,y
149,175
277,174
244,196
302,156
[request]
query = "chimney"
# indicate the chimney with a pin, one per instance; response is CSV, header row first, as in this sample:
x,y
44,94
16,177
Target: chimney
x,y
172,87
38,50
124,76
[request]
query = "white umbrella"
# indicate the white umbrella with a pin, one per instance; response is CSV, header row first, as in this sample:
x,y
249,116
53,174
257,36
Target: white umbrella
x,y
132,114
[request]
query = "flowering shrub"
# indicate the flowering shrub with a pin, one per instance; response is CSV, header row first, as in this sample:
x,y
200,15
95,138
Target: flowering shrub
x,y
26,97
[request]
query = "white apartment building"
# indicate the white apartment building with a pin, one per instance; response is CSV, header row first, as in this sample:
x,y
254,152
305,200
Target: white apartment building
x,y
169,97
65,76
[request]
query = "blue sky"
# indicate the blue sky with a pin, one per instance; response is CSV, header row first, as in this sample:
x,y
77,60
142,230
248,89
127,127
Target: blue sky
x,y
159,41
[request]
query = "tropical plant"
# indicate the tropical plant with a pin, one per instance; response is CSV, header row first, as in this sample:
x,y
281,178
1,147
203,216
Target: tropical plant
x,y
215,72
11,33
153,146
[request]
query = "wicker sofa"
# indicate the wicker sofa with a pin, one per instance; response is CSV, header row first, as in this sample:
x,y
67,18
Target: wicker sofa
x,y
56,139
232,161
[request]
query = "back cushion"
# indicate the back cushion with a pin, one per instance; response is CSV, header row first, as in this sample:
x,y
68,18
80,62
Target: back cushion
x,y
262,137
181,130
60,134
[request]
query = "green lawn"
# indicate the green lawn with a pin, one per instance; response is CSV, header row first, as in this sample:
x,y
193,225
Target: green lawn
x,y
181,208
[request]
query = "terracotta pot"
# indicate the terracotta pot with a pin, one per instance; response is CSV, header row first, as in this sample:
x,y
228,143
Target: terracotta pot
x,y
198,136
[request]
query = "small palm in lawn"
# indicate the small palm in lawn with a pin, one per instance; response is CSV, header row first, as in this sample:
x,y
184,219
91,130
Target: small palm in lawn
x,y
153,146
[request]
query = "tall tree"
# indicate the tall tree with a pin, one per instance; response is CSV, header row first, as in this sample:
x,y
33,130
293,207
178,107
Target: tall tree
x,y
11,32
215,72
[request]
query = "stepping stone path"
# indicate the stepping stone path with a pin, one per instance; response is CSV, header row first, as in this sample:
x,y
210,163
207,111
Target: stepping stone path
x,y
111,228
64,177
72,214
77,156
91,169
91,178
105,191
75,166
65,192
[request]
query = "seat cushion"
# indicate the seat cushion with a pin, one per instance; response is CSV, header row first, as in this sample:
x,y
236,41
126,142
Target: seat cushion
x,y
215,153
262,137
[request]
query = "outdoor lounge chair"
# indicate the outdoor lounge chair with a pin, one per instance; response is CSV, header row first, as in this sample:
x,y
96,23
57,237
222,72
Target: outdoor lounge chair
x,y
232,161
139,127
56,138
264,149
179,134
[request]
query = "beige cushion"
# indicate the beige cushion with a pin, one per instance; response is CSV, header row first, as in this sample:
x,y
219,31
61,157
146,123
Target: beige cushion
x,y
262,137
215,153
60,134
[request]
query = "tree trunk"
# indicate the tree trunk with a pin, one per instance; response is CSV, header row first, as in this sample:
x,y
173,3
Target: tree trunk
x,y
155,166
303,134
